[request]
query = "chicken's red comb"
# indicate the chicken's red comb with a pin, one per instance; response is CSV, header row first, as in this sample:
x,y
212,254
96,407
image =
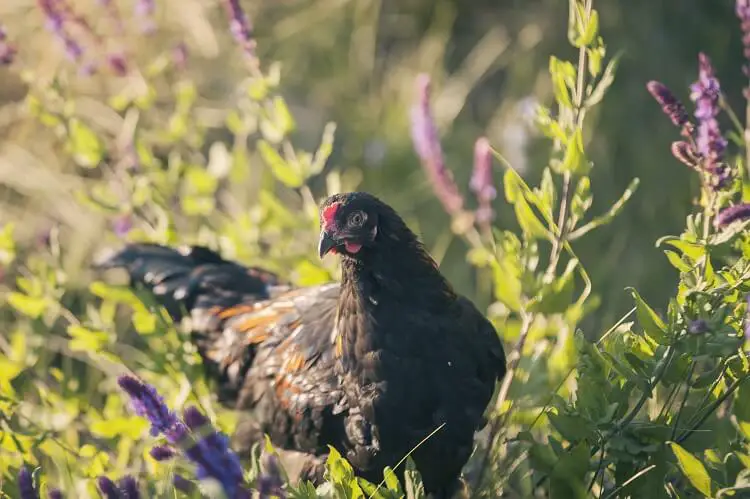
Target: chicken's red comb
x,y
329,213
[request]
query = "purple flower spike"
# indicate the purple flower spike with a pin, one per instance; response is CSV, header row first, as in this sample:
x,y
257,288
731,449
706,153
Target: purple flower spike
x,y
270,482
241,28
122,225
481,180
194,418
698,326
129,488
162,452
7,51
54,494
57,13
427,146
742,8
108,488
670,105
685,152
183,484
26,485
705,93
211,454
148,403
145,10
732,214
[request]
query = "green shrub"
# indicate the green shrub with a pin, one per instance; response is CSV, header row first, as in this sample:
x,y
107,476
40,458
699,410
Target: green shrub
x,y
655,407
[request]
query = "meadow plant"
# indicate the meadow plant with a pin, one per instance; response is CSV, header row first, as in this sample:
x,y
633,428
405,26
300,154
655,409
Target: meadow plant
x,y
655,406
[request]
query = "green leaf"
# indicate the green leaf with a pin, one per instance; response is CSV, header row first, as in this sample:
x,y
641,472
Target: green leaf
x,y
615,210
83,143
677,262
128,427
7,244
27,305
693,469
309,274
563,75
574,160
86,340
606,81
582,198
651,323
587,30
324,150
285,172
571,427
693,251
143,320
527,219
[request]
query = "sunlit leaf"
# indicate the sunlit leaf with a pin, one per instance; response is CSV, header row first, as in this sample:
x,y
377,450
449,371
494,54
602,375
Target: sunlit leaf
x,y
693,469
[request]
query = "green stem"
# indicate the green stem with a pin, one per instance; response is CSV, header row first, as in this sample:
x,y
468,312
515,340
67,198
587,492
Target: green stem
x,y
711,408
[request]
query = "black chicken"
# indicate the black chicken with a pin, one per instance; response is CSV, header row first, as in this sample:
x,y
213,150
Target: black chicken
x,y
371,366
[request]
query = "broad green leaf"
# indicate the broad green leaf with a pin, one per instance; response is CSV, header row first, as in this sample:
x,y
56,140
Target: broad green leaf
x,y
677,262
693,469
651,323
692,250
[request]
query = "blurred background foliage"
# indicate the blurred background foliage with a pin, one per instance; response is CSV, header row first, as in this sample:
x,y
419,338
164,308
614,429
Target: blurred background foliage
x,y
354,63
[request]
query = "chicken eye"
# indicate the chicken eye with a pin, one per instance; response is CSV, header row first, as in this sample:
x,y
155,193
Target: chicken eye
x,y
357,219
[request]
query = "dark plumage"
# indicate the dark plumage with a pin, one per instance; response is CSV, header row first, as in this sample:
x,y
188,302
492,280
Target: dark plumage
x,y
371,366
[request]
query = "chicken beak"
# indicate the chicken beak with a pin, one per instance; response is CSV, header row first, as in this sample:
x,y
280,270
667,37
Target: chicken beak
x,y
326,243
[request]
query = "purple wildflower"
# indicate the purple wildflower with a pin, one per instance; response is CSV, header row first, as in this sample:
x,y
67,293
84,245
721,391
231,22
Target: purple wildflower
x,y
670,105
211,453
7,51
108,488
241,27
705,93
179,56
685,152
481,180
146,402
129,487
742,8
183,484
732,214
194,418
427,145
162,452
117,63
122,225
26,485
57,12
269,482
54,494
145,9
698,326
